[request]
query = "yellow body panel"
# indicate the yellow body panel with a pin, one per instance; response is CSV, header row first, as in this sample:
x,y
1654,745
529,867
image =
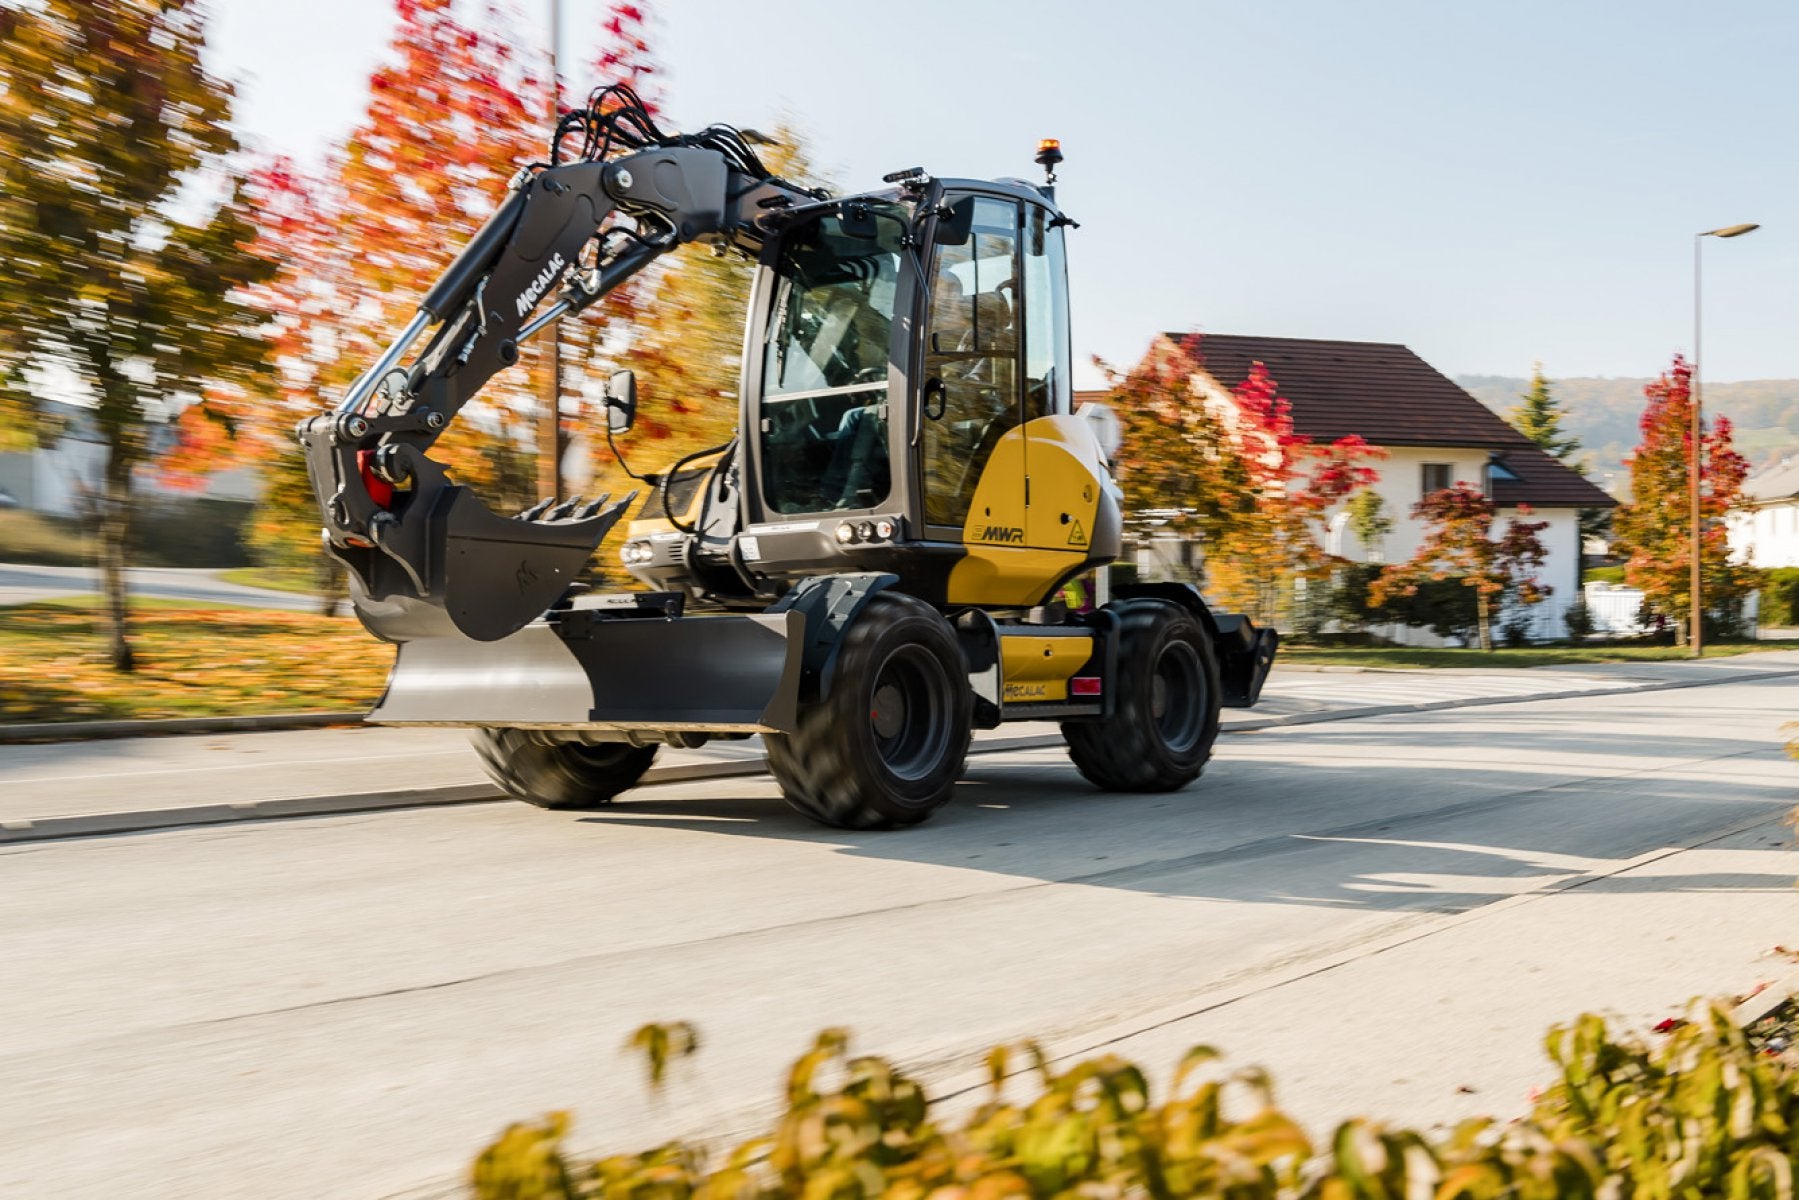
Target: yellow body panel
x,y
1037,668
643,526
1065,474
1016,552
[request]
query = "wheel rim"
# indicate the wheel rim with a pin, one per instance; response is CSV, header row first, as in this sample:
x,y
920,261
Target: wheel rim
x,y
605,755
1177,696
907,709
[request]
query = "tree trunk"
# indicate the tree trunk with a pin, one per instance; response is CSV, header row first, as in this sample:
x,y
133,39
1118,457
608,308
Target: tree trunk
x,y
332,581
1484,620
115,524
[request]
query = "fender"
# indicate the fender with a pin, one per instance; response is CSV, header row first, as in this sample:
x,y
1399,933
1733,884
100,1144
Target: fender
x,y
830,603
1245,653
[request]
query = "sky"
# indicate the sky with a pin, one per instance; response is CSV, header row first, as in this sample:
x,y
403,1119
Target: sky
x,y
1492,184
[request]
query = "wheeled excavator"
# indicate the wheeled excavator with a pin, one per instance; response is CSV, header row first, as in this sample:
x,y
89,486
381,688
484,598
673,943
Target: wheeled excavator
x,y
870,570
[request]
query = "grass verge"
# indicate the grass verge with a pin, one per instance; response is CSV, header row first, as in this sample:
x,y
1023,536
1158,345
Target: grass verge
x,y
301,581
1528,656
193,661
30,537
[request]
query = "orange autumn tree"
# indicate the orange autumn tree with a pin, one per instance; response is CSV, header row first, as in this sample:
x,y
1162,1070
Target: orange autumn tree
x,y
1237,480
1272,555
1655,528
1459,544
454,110
1174,463
686,346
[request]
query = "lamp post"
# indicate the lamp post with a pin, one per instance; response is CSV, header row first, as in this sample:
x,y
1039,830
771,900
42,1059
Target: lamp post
x,y
1696,609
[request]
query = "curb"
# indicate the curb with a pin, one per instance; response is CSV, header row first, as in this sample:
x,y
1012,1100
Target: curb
x,y
147,820
150,819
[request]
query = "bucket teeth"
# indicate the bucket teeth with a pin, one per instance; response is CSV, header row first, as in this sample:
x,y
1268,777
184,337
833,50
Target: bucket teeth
x,y
536,510
563,510
595,506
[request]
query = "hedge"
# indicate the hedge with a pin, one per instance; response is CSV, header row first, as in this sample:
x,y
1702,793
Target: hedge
x,y
1780,596
1698,1112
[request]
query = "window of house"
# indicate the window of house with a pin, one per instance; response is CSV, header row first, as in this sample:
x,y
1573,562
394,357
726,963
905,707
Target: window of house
x,y
1435,477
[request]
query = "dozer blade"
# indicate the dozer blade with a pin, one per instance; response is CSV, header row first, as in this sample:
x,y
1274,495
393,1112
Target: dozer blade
x,y
587,668
465,570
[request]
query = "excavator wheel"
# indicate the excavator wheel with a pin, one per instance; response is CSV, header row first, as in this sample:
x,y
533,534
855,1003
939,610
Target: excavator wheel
x,y
884,749
1166,698
566,775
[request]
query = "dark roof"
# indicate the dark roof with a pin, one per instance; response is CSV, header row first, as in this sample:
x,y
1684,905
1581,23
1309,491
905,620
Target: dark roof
x,y
1385,394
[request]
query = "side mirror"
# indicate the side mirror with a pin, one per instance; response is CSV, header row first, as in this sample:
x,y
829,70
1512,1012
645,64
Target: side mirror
x,y
621,401
955,224
1107,429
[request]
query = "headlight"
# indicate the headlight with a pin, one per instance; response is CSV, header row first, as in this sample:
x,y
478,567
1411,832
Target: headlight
x,y
846,533
866,531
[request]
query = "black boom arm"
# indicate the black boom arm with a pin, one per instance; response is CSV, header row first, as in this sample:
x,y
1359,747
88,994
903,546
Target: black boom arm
x,y
423,553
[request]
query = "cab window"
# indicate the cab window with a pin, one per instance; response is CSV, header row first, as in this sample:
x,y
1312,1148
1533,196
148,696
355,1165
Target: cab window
x,y
824,376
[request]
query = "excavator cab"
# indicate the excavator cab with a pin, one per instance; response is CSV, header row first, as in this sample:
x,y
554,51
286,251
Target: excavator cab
x,y
867,573
909,410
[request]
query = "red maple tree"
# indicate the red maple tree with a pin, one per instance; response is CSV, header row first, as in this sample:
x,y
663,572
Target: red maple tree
x,y
1237,480
1655,528
1459,544
1291,482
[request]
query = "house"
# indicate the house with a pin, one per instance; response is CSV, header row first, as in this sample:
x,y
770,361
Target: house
x,y
1434,435
62,478
1764,527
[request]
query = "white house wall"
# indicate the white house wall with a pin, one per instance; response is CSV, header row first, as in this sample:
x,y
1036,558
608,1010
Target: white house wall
x,y
1767,536
1400,487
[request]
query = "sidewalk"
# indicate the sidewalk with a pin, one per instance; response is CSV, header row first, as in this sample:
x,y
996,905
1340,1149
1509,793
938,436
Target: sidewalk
x,y
206,778
23,583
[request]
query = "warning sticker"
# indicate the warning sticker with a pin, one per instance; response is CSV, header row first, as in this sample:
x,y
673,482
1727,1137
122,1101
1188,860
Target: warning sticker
x,y
1076,535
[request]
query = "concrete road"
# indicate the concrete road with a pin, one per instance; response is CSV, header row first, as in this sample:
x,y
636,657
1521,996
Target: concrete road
x,y
1382,911
24,584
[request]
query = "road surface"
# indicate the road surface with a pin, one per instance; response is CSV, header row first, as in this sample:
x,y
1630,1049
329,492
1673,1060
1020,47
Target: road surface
x,y
1382,911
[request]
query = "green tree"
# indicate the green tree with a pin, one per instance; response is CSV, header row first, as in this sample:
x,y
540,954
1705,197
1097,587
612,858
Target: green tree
x,y
111,131
1538,416
1368,520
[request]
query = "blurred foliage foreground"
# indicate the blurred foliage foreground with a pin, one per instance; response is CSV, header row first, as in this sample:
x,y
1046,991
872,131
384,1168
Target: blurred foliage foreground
x,y
1701,1112
193,661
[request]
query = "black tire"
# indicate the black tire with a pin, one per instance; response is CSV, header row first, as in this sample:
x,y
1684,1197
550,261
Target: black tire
x,y
565,775
885,748
1166,697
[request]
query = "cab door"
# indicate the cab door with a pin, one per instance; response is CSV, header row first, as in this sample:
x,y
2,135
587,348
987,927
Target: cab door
x,y
971,399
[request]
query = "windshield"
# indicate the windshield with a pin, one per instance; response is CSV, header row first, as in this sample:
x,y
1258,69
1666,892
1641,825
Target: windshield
x,y
824,377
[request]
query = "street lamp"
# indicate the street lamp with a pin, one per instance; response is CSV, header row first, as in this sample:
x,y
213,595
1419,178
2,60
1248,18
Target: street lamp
x,y
1696,609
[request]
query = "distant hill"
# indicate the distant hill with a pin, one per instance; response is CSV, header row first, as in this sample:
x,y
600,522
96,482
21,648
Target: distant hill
x,y
1603,414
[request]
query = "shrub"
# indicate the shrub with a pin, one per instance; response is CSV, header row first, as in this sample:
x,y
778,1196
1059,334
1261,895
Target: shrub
x,y
1447,607
1578,619
1700,1113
